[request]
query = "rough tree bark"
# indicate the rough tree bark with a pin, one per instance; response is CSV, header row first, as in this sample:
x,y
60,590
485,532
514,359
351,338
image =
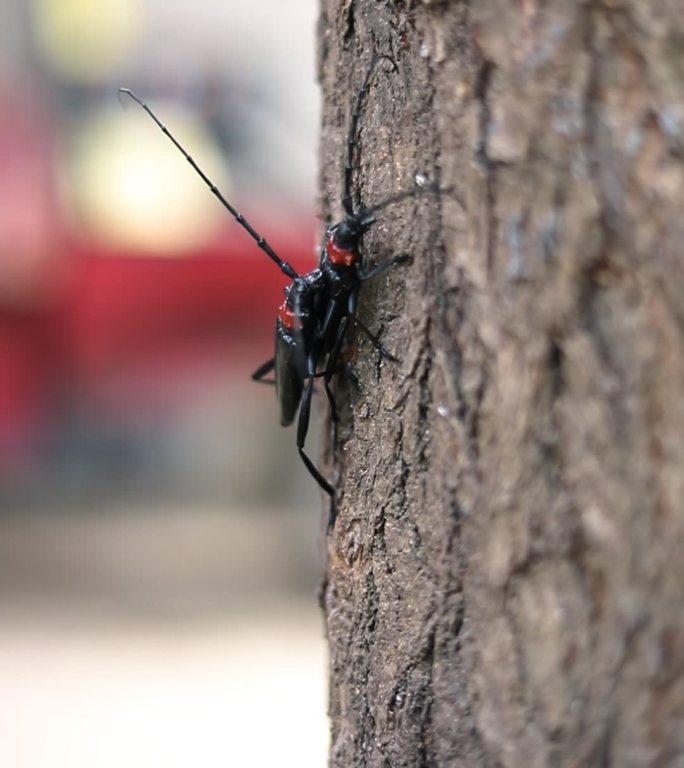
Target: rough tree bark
x,y
505,579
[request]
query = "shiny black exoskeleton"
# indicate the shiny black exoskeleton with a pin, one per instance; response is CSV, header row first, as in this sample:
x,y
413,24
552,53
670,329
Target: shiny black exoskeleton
x,y
320,306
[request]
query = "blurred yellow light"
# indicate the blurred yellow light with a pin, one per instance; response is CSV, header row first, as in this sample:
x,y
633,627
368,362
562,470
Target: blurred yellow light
x,y
85,40
130,187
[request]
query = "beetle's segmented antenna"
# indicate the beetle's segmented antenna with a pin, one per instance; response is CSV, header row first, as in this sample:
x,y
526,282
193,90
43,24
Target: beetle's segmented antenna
x,y
354,131
241,220
398,197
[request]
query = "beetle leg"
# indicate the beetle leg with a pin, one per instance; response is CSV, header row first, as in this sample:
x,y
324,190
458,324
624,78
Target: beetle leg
x,y
376,342
263,370
303,428
331,367
385,265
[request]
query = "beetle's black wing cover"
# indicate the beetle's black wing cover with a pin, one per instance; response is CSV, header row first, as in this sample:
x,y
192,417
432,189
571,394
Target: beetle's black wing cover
x,y
289,373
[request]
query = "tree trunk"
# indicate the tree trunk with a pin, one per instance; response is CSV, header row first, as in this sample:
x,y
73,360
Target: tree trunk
x,y
505,578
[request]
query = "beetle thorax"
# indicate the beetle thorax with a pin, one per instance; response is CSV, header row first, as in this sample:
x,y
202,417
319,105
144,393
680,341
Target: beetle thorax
x,y
342,244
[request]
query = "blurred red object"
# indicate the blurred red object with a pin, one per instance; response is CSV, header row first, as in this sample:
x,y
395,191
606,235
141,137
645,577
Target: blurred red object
x,y
82,322
127,310
29,210
108,323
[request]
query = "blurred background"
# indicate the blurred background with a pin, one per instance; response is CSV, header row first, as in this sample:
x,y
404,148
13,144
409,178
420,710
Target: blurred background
x,y
159,539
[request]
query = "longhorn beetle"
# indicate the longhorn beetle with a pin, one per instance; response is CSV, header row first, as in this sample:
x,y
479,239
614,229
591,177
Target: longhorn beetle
x,y
314,318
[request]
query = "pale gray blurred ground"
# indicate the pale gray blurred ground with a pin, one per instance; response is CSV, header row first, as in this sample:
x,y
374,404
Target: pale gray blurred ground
x,y
159,637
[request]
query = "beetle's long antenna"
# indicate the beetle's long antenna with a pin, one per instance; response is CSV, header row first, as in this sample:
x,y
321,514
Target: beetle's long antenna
x,y
354,131
241,220
367,215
